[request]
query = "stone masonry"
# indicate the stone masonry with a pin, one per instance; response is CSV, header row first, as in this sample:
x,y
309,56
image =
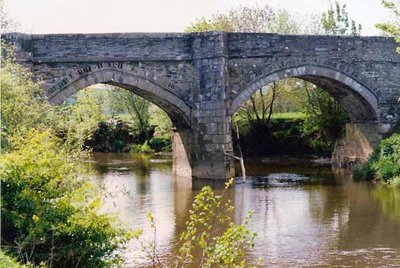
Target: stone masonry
x,y
201,80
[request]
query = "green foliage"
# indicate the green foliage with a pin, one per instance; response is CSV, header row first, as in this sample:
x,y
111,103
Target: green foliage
x,y
159,144
144,148
49,213
103,114
384,163
161,120
24,106
201,243
135,107
23,103
387,165
113,136
247,19
336,21
81,120
225,250
325,120
8,262
392,28
365,171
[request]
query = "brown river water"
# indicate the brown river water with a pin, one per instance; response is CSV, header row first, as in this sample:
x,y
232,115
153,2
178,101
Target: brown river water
x,y
303,216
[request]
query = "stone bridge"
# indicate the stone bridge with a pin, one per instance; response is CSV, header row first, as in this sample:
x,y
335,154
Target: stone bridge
x,y
201,79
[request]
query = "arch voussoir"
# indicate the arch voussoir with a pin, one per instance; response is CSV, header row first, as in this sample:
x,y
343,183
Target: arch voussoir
x,y
140,85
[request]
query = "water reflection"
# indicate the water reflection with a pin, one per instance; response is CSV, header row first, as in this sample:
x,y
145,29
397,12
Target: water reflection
x,y
389,200
328,222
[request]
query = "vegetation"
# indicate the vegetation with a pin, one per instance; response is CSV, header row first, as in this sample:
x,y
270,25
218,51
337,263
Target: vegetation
x,y
336,21
392,28
384,163
113,119
49,211
202,244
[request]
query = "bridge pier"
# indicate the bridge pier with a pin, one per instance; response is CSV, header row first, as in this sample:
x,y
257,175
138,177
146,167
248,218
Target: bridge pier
x,y
181,162
357,145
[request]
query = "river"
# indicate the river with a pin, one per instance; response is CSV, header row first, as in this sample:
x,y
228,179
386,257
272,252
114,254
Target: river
x,y
303,216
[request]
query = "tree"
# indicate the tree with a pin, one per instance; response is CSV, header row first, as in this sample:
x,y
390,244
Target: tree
x,y
393,29
6,23
136,108
248,19
81,119
24,104
49,208
336,21
49,211
325,119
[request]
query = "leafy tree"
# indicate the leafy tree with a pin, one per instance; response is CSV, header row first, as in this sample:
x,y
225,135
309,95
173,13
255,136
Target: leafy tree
x,y
137,108
393,29
23,103
81,119
49,211
336,21
6,23
325,119
247,19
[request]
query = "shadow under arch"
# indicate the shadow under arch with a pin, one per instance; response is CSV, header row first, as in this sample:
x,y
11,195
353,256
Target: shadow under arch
x,y
356,99
173,105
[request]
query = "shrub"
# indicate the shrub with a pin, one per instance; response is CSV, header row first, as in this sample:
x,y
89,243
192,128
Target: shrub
x,y
8,262
384,163
395,182
144,148
49,211
387,165
160,143
202,244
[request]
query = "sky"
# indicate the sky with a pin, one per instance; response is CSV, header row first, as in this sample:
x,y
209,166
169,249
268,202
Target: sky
x,y
102,16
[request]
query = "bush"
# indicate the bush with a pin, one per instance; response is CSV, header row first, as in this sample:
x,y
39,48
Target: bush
x,y
49,212
395,182
365,171
387,165
8,262
202,244
384,163
144,148
159,144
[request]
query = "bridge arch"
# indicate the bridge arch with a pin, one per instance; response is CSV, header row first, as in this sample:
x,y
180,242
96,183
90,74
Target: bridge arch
x,y
356,99
146,86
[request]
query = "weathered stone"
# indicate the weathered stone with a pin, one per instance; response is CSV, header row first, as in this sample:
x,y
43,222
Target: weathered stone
x,y
201,80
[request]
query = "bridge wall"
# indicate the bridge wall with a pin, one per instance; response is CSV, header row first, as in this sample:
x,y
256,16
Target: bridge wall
x,y
201,79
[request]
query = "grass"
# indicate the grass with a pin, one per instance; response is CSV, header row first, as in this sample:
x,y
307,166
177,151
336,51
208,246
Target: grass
x,y
288,116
